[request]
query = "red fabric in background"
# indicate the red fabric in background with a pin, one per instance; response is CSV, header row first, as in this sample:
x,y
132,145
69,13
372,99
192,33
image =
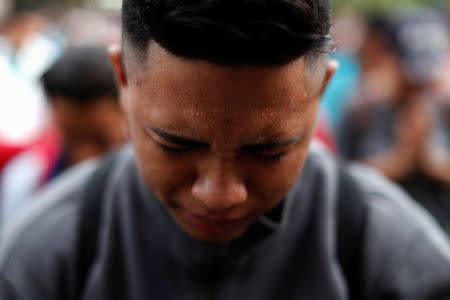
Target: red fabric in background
x,y
325,135
7,151
47,146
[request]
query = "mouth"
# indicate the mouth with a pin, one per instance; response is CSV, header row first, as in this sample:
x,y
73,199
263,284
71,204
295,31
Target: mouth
x,y
209,224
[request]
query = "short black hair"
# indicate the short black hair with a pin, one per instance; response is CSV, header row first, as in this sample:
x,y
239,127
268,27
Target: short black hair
x,y
230,32
82,74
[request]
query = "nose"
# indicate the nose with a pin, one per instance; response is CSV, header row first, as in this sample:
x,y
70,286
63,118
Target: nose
x,y
219,186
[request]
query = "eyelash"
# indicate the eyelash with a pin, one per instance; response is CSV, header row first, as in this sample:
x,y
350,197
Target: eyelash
x,y
264,157
170,150
272,158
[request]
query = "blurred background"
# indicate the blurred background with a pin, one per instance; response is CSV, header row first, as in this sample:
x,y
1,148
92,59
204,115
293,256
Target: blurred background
x,y
388,105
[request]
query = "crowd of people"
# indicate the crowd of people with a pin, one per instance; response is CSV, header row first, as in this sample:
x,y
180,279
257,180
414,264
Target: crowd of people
x,y
66,104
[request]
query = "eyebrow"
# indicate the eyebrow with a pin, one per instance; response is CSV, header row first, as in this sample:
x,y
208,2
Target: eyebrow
x,y
272,145
175,139
182,141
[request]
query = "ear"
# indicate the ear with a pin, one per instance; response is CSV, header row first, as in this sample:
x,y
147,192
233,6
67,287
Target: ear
x,y
332,66
115,56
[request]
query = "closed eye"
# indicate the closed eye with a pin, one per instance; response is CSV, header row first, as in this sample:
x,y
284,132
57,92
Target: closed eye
x,y
172,142
272,147
272,150
273,157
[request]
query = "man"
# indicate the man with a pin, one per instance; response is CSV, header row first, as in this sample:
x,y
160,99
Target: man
x,y
88,122
220,197
403,131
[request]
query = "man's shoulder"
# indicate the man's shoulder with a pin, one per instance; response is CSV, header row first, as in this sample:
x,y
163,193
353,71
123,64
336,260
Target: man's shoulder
x,y
389,208
49,213
381,194
40,242
54,208
404,247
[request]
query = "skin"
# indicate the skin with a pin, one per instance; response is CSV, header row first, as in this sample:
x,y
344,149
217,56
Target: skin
x,y
411,151
219,146
23,27
91,129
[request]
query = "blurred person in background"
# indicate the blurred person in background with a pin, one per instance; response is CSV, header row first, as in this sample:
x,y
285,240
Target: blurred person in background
x,y
396,124
78,24
221,194
29,44
84,105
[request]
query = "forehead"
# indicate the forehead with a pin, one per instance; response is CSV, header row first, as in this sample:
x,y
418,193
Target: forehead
x,y
157,61
182,93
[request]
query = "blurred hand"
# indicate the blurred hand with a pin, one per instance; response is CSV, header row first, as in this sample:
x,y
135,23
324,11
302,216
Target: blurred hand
x,y
435,162
413,125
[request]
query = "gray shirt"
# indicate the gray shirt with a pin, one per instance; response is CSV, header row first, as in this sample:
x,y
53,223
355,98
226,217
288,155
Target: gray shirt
x,y
143,254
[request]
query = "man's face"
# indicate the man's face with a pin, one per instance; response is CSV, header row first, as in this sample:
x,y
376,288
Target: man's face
x,y
89,130
219,146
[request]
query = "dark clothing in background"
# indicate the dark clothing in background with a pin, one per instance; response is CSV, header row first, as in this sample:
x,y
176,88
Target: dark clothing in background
x,y
143,254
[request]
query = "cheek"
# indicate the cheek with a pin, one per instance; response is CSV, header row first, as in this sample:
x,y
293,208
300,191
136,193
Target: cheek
x,y
164,174
271,183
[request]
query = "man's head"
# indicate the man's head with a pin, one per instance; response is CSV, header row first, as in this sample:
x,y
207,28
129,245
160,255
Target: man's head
x,y
83,94
264,33
221,99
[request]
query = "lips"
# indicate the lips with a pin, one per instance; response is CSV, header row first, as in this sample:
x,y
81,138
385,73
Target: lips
x,y
215,224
